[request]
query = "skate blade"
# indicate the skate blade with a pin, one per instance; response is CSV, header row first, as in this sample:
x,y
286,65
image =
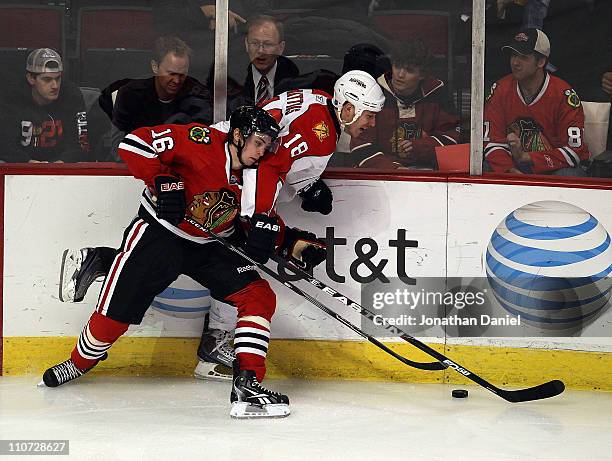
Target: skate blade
x,y
245,410
212,372
69,267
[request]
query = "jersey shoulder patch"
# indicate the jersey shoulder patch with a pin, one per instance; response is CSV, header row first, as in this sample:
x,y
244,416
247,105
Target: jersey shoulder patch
x,y
321,130
491,91
199,134
572,98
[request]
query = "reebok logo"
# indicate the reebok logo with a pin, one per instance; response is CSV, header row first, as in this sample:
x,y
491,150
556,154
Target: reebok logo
x,y
170,186
358,82
267,226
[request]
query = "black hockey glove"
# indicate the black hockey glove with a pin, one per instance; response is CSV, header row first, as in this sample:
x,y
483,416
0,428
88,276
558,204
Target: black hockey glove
x,y
317,197
170,199
303,248
262,237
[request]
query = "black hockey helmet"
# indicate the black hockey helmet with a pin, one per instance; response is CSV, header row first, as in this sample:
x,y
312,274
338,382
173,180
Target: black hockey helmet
x,y
253,119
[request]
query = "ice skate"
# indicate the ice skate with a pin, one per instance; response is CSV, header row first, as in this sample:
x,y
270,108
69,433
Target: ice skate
x,y
64,372
80,268
215,355
250,399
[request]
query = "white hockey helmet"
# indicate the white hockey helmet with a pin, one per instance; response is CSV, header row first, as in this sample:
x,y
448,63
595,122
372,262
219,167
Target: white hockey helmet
x,y
361,90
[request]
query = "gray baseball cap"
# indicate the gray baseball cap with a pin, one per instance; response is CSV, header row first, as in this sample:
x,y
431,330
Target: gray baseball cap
x,y
44,60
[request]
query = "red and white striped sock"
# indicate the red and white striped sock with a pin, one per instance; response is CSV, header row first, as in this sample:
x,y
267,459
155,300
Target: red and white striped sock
x,y
251,344
96,338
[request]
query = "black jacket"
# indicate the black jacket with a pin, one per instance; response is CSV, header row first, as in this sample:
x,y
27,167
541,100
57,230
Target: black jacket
x,y
57,131
138,105
285,68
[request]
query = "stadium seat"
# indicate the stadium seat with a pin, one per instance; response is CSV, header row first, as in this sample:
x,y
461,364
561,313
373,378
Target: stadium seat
x,y
17,39
114,43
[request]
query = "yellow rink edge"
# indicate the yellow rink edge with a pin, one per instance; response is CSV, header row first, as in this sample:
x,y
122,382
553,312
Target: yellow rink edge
x,y
321,359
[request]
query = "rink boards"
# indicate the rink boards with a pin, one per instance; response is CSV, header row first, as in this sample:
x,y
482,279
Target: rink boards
x,y
449,220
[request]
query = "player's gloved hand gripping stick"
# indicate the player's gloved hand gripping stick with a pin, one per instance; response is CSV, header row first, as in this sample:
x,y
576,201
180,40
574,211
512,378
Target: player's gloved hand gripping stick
x,y
303,248
170,199
295,289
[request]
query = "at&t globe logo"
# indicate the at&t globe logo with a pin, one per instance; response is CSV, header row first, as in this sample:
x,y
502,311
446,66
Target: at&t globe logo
x,y
550,263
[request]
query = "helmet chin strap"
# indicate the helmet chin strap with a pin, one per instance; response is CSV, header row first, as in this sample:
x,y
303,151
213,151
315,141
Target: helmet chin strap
x,y
239,149
344,124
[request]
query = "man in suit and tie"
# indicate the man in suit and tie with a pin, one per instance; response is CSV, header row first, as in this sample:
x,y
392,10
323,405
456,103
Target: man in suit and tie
x,y
265,45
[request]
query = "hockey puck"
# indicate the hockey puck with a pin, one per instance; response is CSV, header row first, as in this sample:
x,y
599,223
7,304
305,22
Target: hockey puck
x,y
460,393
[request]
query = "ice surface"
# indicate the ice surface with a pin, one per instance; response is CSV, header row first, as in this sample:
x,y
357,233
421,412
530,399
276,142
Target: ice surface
x,y
182,419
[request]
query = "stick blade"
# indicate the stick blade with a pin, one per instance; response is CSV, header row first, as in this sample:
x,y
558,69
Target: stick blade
x,y
542,391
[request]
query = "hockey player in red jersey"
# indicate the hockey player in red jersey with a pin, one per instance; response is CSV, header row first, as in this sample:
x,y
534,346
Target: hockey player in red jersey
x,y
533,121
193,176
311,122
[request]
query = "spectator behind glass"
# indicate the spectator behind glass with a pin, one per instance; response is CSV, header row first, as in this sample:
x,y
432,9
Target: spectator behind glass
x,y
366,57
533,121
534,12
43,119
265,44
415,118
170,96
193,21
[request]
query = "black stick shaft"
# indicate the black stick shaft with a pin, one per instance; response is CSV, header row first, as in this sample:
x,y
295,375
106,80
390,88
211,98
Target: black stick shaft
x,y
430,366
542,391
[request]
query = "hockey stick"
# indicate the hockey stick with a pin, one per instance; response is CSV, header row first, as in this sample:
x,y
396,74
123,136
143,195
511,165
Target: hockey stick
x,y
541,391
430,366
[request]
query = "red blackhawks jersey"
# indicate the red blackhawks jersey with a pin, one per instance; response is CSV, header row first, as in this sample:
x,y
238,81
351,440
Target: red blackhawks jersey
x,y
198,155
306,142
550,128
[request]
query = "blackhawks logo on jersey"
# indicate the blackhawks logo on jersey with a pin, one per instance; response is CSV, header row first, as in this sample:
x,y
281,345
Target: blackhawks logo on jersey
x,y
572,98
530,134
211,209
404,131
199,134
321,130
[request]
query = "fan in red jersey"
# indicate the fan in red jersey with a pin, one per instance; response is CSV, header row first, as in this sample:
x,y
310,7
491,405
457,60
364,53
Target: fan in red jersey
x,y
533,121
417,116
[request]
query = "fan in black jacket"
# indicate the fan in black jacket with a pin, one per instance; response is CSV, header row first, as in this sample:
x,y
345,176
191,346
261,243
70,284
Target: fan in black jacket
x,y
43,119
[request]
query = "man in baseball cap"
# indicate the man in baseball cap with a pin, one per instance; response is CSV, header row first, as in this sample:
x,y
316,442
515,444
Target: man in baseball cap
x,y
534,122
44,119
529,41
44,74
